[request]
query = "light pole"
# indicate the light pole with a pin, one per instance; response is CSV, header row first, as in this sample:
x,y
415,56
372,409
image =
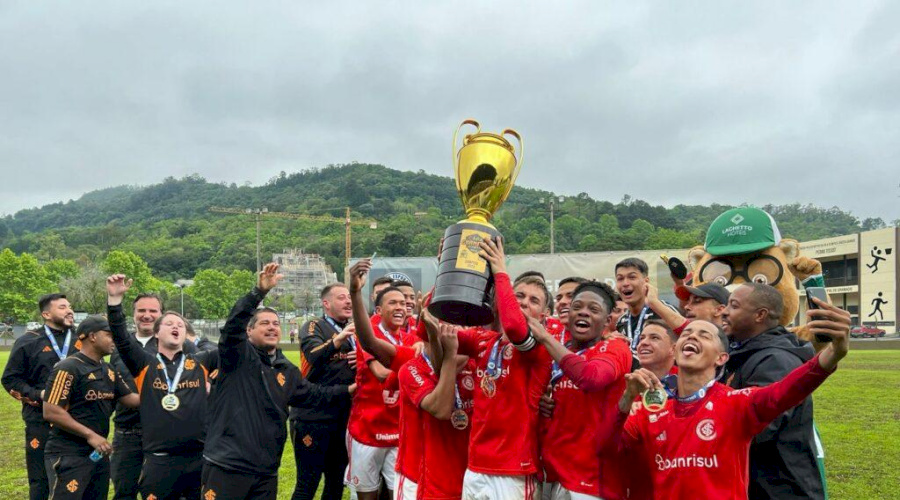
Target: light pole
x,y
258,212
553,200
181,284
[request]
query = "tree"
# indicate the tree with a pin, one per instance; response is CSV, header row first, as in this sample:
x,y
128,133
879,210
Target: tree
x,y
59,269
24,281
210,293
87,289
133,266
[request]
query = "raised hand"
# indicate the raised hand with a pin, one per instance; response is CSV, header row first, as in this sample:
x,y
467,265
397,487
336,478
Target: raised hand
x,y
540,334
639,381
449,339
116,287
358,273
492,251
268,277
830,321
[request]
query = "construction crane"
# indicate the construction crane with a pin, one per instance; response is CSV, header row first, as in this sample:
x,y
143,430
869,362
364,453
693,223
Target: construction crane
x,y
264,212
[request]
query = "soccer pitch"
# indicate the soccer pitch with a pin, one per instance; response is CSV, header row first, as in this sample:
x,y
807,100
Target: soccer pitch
x,y
857,411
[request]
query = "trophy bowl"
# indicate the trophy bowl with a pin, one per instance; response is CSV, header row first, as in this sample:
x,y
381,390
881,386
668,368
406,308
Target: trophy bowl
x,y
486,167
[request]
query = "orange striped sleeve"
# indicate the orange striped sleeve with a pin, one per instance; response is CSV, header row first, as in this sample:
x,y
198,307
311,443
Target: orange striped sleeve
x,y
139,380
59,390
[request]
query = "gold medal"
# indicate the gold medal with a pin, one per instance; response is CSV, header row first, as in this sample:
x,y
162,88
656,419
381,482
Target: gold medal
x,y
170,402
488,386
459,419
654,399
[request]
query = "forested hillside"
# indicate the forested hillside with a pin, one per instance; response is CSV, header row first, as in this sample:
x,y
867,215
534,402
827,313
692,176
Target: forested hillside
x,y
170,227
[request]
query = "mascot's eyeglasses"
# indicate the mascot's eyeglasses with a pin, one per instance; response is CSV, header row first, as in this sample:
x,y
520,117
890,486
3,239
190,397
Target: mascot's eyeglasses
x,y
764,269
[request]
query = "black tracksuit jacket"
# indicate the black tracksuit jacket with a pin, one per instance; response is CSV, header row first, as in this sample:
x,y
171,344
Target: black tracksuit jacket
x,y
783,456
249,406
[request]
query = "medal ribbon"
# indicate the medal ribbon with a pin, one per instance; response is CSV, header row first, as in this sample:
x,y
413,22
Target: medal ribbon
x,y
635,339
670,383
61,353
337,327
172,382
459,403
495,361
388,335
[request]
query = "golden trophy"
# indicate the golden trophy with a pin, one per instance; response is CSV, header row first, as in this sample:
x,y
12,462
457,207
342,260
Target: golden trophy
x,y
486,167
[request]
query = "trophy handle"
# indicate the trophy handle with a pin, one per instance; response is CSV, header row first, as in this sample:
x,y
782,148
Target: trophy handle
x,y
521,155
469,121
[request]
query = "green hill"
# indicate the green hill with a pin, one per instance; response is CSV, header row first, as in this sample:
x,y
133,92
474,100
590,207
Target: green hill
x,y
170,227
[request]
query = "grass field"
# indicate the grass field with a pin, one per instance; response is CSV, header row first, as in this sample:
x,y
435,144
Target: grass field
x,y
857,410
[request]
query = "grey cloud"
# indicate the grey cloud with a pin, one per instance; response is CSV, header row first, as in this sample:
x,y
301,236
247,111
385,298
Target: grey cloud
x,y
672,103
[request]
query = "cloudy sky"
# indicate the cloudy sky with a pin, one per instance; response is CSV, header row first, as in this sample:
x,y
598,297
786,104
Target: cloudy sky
x,y
671,102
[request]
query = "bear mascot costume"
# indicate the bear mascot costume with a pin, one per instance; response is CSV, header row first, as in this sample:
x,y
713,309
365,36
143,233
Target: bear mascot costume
x,y
744,244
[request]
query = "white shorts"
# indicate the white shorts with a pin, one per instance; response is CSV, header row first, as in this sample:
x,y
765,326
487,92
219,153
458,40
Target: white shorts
x,y
477,486
407,489
559,492
368,464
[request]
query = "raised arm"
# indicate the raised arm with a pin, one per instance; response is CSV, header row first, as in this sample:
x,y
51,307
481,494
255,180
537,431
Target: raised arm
x,y
132,353
381,350
589,375
440,401
672,317
512,320
773,400
235,330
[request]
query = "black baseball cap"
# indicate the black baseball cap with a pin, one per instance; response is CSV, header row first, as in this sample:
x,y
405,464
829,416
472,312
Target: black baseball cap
x,y
92,324
706,291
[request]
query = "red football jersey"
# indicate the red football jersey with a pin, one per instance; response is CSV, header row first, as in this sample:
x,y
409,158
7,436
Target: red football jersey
x,y
446,447
555,328
704,446
416,381
571,446
375,413
503,439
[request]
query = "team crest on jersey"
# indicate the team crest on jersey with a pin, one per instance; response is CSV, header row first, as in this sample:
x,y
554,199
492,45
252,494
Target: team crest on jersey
x,y
210,495
72,486
706,429
307,440
111,374
468,382
190,364
151,497
390,397
280,379
653,418
508,352
34,443
312,327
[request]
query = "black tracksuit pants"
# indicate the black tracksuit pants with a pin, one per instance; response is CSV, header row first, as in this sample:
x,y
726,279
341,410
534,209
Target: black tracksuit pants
x,y
125,463
320,448
36,434
224,484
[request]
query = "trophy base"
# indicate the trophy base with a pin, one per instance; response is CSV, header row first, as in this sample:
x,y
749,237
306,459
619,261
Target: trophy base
x,y
464,288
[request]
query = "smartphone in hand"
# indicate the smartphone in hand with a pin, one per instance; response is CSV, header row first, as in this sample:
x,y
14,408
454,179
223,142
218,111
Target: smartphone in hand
x,y
817,292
